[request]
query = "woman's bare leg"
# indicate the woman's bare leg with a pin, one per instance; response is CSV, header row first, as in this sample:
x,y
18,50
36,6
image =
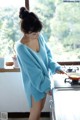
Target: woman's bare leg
x,y
36,109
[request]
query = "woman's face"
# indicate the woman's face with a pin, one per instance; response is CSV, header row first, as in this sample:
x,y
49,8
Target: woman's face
x,y
33,35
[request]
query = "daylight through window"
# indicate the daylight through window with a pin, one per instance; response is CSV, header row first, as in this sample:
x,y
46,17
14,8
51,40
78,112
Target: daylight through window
x,y
9,25
61,21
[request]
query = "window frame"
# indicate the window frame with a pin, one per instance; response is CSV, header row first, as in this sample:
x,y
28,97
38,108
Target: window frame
x,y
27,4
61,62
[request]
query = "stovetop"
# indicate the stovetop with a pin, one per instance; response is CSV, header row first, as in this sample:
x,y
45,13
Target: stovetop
x,y
58,81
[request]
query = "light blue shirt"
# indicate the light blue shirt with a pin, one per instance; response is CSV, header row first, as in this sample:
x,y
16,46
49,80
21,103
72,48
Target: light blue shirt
x,y
36,68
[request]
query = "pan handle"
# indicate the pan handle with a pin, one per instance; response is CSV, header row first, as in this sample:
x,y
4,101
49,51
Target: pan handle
x,y
67,80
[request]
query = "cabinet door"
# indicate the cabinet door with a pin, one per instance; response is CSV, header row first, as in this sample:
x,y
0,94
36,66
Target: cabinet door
x,y
66,105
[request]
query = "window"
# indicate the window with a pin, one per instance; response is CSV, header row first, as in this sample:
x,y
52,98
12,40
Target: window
x,y
61,21
9,25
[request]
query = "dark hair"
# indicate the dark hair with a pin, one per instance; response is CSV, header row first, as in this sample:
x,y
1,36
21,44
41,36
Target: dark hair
x,y
29,21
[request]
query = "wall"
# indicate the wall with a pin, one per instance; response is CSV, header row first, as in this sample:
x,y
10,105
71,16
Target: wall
x,y
12,96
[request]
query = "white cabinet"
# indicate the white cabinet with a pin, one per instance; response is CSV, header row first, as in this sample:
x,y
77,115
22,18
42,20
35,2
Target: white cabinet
x,y
12,95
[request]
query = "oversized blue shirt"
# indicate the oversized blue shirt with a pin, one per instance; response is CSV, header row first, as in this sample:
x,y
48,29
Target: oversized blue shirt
x,y
36,68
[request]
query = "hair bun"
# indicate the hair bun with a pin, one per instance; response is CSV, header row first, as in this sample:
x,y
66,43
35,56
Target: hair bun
x,y
23,13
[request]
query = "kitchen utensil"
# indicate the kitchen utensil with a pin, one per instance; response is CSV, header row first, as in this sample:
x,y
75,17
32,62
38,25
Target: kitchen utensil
x,y
73,78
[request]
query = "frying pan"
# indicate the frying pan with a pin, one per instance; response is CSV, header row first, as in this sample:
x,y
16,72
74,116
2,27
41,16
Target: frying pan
x,y
73,76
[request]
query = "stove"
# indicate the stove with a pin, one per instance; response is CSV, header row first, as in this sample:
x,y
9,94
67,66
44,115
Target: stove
x,y
72,82
65,103
62,81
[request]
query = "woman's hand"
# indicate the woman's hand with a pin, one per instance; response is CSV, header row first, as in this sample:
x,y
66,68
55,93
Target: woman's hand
x,y
49,92
60,72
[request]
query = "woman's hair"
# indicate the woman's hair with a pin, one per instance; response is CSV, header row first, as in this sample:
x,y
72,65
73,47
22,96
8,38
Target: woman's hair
x,y
29,21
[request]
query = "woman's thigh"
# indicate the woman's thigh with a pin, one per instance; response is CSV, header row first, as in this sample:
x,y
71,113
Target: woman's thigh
x,y
38,106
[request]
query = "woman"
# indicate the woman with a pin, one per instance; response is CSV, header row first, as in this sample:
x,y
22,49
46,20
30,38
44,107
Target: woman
x,y
36,62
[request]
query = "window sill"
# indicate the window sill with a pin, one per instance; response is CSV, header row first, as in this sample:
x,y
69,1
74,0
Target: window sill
x,y
9,70
69,63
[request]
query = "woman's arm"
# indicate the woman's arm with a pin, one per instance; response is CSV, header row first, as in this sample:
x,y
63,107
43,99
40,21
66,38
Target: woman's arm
x,y
53,66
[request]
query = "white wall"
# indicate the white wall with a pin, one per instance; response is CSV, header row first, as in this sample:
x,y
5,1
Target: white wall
x,y
12,96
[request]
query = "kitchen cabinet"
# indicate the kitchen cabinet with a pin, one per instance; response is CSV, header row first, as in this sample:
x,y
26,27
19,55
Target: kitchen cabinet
x,y
12,95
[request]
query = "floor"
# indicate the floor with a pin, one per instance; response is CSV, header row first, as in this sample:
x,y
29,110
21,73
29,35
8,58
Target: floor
x,y
27,119
5,116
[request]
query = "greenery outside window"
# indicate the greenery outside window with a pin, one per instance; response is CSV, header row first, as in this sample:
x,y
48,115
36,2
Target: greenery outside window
x,y
9,25
61,21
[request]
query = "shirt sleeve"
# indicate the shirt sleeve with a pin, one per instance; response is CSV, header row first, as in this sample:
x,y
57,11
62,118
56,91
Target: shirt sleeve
x,y
34,73
53,65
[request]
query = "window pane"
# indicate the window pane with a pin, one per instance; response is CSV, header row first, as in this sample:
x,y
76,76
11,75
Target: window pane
x,y
9,25
61,21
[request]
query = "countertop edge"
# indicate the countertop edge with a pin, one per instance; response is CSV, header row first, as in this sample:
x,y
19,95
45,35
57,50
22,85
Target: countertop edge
x,y
9,70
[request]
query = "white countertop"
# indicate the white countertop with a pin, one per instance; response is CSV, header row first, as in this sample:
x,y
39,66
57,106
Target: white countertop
x,y
66,105
65,98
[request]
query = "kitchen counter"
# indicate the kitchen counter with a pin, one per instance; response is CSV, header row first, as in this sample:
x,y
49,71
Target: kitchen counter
x,y
9,70
65,99
66,105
